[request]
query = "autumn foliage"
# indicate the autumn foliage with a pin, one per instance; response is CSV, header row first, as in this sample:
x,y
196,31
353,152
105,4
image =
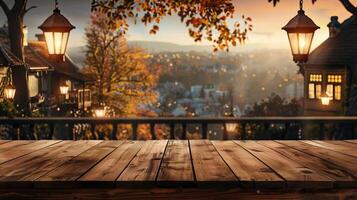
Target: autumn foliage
x,y
124,81
205,19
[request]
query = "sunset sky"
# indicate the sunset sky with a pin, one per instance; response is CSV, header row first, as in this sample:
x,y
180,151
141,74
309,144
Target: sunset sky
x,y
267,21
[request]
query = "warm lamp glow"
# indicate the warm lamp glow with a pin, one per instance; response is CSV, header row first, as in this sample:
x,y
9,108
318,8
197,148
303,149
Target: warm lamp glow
x,y
300,31
56,29
99,112
25,33
9,92
231,127
325,99
64,89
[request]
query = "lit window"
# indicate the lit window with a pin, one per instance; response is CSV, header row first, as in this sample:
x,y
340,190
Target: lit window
x,y
315,86
334,86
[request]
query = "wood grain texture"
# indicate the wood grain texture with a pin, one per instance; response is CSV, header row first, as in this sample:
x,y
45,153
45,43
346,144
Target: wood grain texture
x,y
249,170
208,165
4,141
173,194
351,141
292,171
338,146
72,169
13,144
109,169
176,165
28,168
347,162
337,173
25,149
143,169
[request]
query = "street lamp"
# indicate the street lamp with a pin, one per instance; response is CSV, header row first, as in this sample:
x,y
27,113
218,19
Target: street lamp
x,y
231,127
300,31
99,112
64,89
325,99
9,92
56,29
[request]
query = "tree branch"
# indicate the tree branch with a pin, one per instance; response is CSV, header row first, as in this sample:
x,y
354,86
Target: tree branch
x,y
30,8
349,6
4,7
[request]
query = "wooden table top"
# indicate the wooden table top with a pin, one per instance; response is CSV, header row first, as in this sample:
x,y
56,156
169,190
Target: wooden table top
x,y
178,163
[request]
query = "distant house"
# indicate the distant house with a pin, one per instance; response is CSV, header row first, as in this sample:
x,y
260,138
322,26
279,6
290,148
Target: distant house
x,y
332,69
45,77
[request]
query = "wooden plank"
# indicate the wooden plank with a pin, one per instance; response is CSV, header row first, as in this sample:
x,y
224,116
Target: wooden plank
x,y
176,166
72,169
28,168
348,163
250,171
338,146
335,172
209,167
109,169
351,141
4,141
22,150
13,144
143,169
296,175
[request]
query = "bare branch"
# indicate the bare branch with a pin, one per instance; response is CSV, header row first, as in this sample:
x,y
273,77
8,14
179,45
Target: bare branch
x,y
28,9
4,7
349,6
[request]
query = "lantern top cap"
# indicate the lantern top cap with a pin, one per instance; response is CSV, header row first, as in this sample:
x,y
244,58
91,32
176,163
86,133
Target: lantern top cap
x,y
301,23
56,22
9,86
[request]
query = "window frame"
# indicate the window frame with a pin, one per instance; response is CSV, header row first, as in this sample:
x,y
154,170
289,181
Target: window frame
x,y
334,84
316,83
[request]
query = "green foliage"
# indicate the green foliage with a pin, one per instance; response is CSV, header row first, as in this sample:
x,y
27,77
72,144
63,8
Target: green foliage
x,y
7,109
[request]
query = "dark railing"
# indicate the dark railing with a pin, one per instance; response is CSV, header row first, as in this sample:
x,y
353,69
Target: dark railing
x,y
182,128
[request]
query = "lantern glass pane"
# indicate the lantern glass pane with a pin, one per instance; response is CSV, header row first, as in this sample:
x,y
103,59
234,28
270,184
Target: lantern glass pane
x,y
293,39
50,42
231,127
64,42
305,40
58,42
300,43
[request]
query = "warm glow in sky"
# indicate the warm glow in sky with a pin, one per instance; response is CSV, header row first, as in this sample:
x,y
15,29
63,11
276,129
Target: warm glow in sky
x,y
267,21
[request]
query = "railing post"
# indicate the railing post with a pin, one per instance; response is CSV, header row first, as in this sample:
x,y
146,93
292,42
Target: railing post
x,y
204,130
71,132
322,133
135,131
184,131
172,131
266,131
17,132
52,130
286,132
243,135
225,132
92,127
115,130
152,131
32,132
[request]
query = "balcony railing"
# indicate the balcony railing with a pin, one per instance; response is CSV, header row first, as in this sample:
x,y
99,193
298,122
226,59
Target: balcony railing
x,y
181,128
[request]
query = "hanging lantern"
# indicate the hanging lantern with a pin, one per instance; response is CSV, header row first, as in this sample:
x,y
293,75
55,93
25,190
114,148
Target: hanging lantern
x,y
25,38
9,92
99,112
325,99
64,89
56,29
300,31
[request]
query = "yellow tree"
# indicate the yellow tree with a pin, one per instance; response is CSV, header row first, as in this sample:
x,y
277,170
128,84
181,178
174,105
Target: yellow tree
x,y
124,81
